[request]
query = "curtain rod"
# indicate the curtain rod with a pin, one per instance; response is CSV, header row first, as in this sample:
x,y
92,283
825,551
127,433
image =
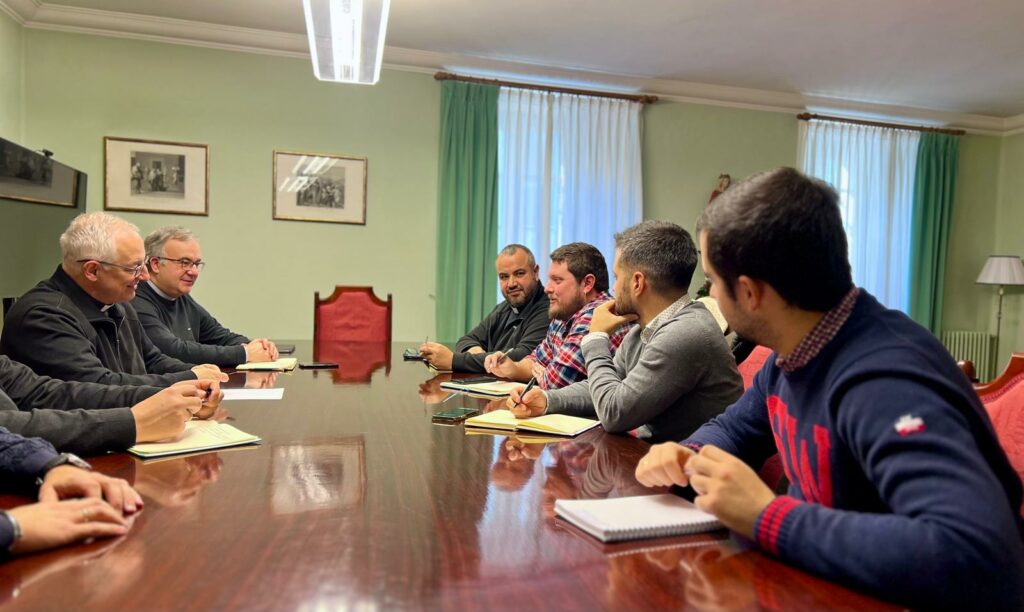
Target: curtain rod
x,y
898,126
643,99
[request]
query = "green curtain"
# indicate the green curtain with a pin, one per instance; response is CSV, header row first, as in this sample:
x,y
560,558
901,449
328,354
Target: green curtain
x,y
467,229
934,184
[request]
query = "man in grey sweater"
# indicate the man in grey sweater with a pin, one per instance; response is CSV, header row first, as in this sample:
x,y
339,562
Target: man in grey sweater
x,y
673,372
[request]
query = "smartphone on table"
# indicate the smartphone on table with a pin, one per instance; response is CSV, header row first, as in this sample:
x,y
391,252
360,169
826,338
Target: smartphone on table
x,y
454,415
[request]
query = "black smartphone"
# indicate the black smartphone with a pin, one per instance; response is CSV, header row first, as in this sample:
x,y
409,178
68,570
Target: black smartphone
x,y
455,415
318,365
412,355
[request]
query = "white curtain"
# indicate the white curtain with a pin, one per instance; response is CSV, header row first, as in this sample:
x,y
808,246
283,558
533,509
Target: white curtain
x,y
872,168
568,170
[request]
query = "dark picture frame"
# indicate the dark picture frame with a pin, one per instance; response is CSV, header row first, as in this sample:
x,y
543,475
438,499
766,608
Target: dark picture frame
x,y
30,176
156,176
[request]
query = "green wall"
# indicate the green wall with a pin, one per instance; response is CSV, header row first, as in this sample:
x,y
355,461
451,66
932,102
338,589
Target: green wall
x,y
262,273
11,60
26,252
1009,233
76,89
686,147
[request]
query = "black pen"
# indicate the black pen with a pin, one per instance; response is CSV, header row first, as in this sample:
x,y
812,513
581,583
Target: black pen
x,y
526,389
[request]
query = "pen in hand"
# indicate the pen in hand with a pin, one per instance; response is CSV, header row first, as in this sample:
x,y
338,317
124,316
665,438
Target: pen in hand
x,y
526,389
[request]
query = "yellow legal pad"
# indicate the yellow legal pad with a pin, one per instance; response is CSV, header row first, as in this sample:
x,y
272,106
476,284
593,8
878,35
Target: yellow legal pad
x,y
285,363
554,424
198,436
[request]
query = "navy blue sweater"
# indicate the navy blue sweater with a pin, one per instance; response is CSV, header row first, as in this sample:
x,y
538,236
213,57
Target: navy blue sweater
x,y
898,485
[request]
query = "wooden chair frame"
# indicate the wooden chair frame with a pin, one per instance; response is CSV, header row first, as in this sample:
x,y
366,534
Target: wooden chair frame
x,y
1013,369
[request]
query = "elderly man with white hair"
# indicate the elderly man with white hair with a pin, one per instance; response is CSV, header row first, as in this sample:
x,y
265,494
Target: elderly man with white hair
x,y
79,325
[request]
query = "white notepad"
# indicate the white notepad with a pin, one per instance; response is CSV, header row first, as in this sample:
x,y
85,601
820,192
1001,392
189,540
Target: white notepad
x,y
274,393
198,436
633,518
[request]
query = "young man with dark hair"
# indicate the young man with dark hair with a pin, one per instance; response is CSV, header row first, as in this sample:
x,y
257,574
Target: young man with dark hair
x,y
898,485
577,284
673,372
515,327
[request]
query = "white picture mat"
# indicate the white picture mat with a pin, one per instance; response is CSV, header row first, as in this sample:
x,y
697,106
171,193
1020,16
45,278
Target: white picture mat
x,y
117,177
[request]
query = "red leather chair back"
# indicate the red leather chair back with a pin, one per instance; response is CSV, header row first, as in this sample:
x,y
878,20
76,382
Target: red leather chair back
x,y
352,314
753,364
1004,400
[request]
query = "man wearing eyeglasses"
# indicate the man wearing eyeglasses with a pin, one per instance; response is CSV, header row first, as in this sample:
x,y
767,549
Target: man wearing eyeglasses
x,y
173,320
79,325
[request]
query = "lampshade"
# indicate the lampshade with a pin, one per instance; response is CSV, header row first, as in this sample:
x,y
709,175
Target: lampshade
x,y
346,38
1002,270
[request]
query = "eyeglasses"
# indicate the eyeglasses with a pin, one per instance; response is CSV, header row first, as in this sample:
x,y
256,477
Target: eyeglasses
x,y
186,263
135,271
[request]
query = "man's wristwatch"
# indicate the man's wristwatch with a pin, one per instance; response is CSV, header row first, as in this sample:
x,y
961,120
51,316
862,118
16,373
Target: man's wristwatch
x,y
61,459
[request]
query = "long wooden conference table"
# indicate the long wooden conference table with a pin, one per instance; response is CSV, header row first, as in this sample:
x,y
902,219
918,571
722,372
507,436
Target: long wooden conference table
x,y
356,501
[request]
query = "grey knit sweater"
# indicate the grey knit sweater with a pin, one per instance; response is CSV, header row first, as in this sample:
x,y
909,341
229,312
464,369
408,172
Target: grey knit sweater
x,y
665,380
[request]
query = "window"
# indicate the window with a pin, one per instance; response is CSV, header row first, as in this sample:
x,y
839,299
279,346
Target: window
x,y
873,169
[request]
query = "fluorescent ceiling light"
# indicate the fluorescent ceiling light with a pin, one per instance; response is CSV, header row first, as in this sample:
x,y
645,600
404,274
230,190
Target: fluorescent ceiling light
x,y
346,38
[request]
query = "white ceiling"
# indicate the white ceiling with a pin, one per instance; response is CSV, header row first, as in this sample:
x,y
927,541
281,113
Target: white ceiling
x,y
949,56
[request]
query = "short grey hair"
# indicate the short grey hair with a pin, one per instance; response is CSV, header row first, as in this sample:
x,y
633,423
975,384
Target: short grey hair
x,y
513,248
91,236
156,239
663,251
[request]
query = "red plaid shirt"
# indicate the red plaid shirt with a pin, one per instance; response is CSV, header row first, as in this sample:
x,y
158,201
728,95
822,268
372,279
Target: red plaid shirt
x,y
820,335
560,353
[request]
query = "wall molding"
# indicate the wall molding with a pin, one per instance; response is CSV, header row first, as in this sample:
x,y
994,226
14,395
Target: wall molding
x,y
36,14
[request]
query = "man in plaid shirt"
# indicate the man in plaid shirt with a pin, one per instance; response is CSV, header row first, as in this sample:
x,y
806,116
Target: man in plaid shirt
x,y
577,284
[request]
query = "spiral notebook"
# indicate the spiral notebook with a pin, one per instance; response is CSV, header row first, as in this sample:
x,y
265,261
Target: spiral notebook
x,y
634,518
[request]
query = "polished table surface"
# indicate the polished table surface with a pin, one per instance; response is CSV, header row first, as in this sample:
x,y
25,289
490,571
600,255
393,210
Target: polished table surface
x,y
355,500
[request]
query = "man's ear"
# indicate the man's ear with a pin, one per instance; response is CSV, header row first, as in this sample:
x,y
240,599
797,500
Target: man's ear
x,y
588,283
90,270
638,283
750,292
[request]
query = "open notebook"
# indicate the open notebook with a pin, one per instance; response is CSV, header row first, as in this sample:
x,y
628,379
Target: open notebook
x,y
633,518
284,363
553,424
198,436
492,388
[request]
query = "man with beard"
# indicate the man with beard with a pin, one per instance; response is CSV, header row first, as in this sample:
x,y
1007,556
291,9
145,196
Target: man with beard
x,y
577,284
673,371
515,327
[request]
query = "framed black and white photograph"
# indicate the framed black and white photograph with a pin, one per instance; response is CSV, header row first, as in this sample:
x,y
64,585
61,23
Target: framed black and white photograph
x,y
156,176
318,187
31,176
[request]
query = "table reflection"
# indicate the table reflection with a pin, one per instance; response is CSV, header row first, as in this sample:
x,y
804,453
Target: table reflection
x,y
357,361
318,475
176,481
